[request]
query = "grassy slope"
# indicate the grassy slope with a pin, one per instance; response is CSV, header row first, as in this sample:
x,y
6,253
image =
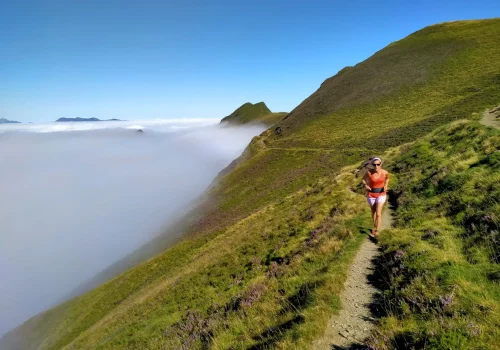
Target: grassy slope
x,y
441,262
252,113
434,76
272,118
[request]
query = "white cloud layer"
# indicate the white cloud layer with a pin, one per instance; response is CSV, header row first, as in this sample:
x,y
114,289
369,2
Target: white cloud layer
x,y
76,197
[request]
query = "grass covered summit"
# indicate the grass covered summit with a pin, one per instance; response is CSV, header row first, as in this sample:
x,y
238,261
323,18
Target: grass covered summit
x,y
253,113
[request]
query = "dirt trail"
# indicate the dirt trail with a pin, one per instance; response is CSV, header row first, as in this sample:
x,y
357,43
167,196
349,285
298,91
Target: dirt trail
x,y
492,117
354,322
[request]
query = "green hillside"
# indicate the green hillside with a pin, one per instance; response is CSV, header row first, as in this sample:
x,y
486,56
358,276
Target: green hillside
x,y
440,267
263,266
253,113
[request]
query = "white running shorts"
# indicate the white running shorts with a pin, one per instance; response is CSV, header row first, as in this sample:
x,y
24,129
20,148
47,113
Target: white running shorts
x,y
379,199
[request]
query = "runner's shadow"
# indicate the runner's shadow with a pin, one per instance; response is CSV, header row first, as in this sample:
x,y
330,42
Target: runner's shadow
x,y
367,232
364,231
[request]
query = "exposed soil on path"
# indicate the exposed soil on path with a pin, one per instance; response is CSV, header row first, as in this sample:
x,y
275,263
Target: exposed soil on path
x,y
353,324
492,117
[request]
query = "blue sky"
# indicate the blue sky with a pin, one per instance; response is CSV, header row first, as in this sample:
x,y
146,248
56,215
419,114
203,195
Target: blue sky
x,y
173,59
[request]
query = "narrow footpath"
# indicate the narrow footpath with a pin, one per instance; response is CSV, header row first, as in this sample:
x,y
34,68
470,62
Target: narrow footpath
x,y
492,117
355,321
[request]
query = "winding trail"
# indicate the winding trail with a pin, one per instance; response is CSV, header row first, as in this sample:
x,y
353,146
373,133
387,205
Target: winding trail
x,y
355,321
492,117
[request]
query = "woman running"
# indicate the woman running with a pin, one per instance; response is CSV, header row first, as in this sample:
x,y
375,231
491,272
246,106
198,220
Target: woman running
x,y
376,181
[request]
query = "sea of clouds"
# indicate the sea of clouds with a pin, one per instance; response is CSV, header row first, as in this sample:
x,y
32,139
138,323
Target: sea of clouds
x,y
77,197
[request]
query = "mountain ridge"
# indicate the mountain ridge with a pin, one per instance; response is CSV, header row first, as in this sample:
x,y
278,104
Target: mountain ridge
x,y
78,119
7,121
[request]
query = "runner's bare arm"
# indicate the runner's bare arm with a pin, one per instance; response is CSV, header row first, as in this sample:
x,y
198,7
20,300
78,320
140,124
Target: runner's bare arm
x,y
365,182
386,183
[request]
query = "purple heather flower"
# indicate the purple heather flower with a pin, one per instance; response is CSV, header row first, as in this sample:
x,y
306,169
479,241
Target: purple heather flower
x,y
487,218
253,294
314,234
473,329
446,300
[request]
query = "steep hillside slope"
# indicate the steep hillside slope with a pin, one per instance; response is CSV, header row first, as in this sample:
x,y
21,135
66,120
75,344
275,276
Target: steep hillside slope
x,y
440,266
264,264
253,113
436,75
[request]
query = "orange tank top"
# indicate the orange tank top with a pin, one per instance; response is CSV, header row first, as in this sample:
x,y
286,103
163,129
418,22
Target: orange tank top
x,y
376,182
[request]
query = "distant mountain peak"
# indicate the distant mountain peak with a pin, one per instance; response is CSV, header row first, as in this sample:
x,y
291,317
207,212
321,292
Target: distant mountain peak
x,y
7,121
78,119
